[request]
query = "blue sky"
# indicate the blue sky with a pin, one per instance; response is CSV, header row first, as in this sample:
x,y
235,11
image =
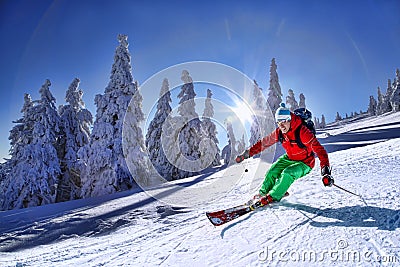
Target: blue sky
x,y
335,52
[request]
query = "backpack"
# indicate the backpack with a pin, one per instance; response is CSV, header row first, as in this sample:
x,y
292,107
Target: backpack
x,y
306,118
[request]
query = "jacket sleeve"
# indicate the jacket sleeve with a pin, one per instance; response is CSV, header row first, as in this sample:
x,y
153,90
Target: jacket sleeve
x,y
264,143
320,151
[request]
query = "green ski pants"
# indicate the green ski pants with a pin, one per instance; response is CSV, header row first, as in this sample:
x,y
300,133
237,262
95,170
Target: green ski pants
x,y
281,175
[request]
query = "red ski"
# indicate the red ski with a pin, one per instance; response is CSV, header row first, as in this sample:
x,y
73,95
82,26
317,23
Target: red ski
x,y
218,218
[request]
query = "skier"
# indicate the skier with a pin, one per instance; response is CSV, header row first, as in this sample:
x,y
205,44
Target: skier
x,y
295,163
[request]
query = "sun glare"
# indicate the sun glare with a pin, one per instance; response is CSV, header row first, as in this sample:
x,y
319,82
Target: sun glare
x,y
243,112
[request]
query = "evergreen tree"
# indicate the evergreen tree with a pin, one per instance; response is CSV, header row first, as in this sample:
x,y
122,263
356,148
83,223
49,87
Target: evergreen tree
x,y
291,101
259,123
154,146
389,92
372,107
338,117
317,123
241,144
75,124
380,108
226,153
323,122
274,91
182,134
395,98
302,102
103,167
209,133
231,149
35,166
190,134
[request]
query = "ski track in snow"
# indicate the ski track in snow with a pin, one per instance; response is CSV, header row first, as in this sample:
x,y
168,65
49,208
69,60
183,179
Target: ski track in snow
x,y
314,226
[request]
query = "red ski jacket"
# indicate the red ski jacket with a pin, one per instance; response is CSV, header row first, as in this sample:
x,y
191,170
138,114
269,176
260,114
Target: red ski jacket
x,y
294,152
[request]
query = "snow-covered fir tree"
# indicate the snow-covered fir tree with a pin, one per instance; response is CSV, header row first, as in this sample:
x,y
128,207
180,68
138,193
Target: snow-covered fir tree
x,y
274,91
5,169
388,95
134,145
182,134
317,123
35,166
302,101
395,98
259,123
229,150
209,134
241,146
75,125
338,117
382,103
154,146
103,167
322,124
226,153
189,137
372,107
291,101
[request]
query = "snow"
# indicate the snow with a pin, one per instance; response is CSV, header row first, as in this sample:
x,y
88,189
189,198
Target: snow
x,y
314,226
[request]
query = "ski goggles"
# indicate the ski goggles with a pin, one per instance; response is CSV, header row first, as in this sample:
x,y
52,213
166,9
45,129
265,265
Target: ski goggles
x,y
278,121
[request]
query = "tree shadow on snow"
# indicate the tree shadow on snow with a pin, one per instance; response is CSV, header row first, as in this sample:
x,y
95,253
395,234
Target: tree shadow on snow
x,y
45,228
352,216
78,224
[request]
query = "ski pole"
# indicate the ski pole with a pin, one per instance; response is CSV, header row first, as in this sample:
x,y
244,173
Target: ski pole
x,y
363,200
346,190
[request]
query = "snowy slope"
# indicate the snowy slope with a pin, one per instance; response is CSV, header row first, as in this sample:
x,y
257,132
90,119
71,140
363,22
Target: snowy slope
x,y
314,226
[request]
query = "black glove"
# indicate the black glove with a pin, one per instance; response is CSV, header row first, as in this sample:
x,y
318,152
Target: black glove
x,y
242,157
325,171
327,179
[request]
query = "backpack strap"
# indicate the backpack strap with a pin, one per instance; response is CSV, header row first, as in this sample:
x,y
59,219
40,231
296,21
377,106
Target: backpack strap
x,y
298,139
280,136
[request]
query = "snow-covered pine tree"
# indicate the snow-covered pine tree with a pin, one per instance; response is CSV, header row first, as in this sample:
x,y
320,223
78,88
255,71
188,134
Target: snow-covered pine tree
x,y
181,136
388,95
317,124
190,132
372,107
35,166
209,133
226,153
5,169
154,146
231,148
395,98
291,101
102,163
259,123
133,144
20,138
322,124
302,101
241,144
380,108
274,91
338,117
75,125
